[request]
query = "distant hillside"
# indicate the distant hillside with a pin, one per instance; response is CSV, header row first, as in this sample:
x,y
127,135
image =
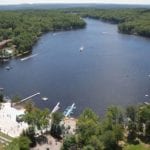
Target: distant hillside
x,y
56,6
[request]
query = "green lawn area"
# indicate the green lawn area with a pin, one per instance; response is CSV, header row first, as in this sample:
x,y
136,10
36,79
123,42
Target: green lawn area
x,y
2,145
140,146
5,136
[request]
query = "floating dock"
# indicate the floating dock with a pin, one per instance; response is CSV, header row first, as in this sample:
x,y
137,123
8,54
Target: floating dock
x,y
69,110
56,108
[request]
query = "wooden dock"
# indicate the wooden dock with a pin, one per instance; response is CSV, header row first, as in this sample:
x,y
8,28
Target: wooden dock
x,y
27,98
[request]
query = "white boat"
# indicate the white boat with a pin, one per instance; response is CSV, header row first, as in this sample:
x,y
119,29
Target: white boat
x,y
8,68
81,48
44,98
54,34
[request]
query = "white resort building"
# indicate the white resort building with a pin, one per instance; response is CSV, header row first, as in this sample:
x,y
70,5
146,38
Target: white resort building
x,y
8,123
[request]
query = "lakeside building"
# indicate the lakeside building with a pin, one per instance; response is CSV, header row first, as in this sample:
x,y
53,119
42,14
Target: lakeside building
x,y
5,52
8,123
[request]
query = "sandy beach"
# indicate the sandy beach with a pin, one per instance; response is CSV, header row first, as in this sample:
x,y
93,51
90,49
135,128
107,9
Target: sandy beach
x,y
52,143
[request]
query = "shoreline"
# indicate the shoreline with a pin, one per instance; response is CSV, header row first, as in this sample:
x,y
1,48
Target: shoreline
x,y
118,24
29,52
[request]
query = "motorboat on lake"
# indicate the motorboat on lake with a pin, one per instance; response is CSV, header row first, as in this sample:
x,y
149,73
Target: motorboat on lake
x,y
8,68
81,48
44,98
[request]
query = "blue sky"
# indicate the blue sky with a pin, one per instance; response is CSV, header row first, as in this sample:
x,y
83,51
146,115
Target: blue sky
x,y
3,2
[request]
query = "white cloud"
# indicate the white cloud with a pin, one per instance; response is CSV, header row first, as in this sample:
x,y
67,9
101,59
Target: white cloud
x,y
2,2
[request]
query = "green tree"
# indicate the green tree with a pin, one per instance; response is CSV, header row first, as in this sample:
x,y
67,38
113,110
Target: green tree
x,y
144,120
29,106
131,113
21,143
30,133
14,145
57,117
37,118
56,129
88,147
70,143
132,129
1,98
88,129
108,138
114,115
132,123
15,99
112,128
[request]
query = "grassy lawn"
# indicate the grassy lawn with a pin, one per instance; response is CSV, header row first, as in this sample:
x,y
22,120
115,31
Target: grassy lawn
x,y
140,146
2,145
5,136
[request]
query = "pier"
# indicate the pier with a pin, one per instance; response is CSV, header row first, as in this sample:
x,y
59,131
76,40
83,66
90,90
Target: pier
x,y
55,108
69,110
27,98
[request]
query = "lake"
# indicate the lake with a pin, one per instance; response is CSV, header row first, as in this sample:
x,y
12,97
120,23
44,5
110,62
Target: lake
x,y
113,69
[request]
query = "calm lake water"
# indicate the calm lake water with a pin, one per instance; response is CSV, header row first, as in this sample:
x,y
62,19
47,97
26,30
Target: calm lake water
x,y
113,69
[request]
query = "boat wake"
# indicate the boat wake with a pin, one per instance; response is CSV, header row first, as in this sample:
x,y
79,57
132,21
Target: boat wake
x,y
105,33
26,58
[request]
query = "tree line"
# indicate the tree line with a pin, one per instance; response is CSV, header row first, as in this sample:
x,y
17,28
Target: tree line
x,y
25,27
117,128
130,21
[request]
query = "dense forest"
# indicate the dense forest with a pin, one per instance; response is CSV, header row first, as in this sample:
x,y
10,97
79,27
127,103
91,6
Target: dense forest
x,y
24,27
117,130
130,21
